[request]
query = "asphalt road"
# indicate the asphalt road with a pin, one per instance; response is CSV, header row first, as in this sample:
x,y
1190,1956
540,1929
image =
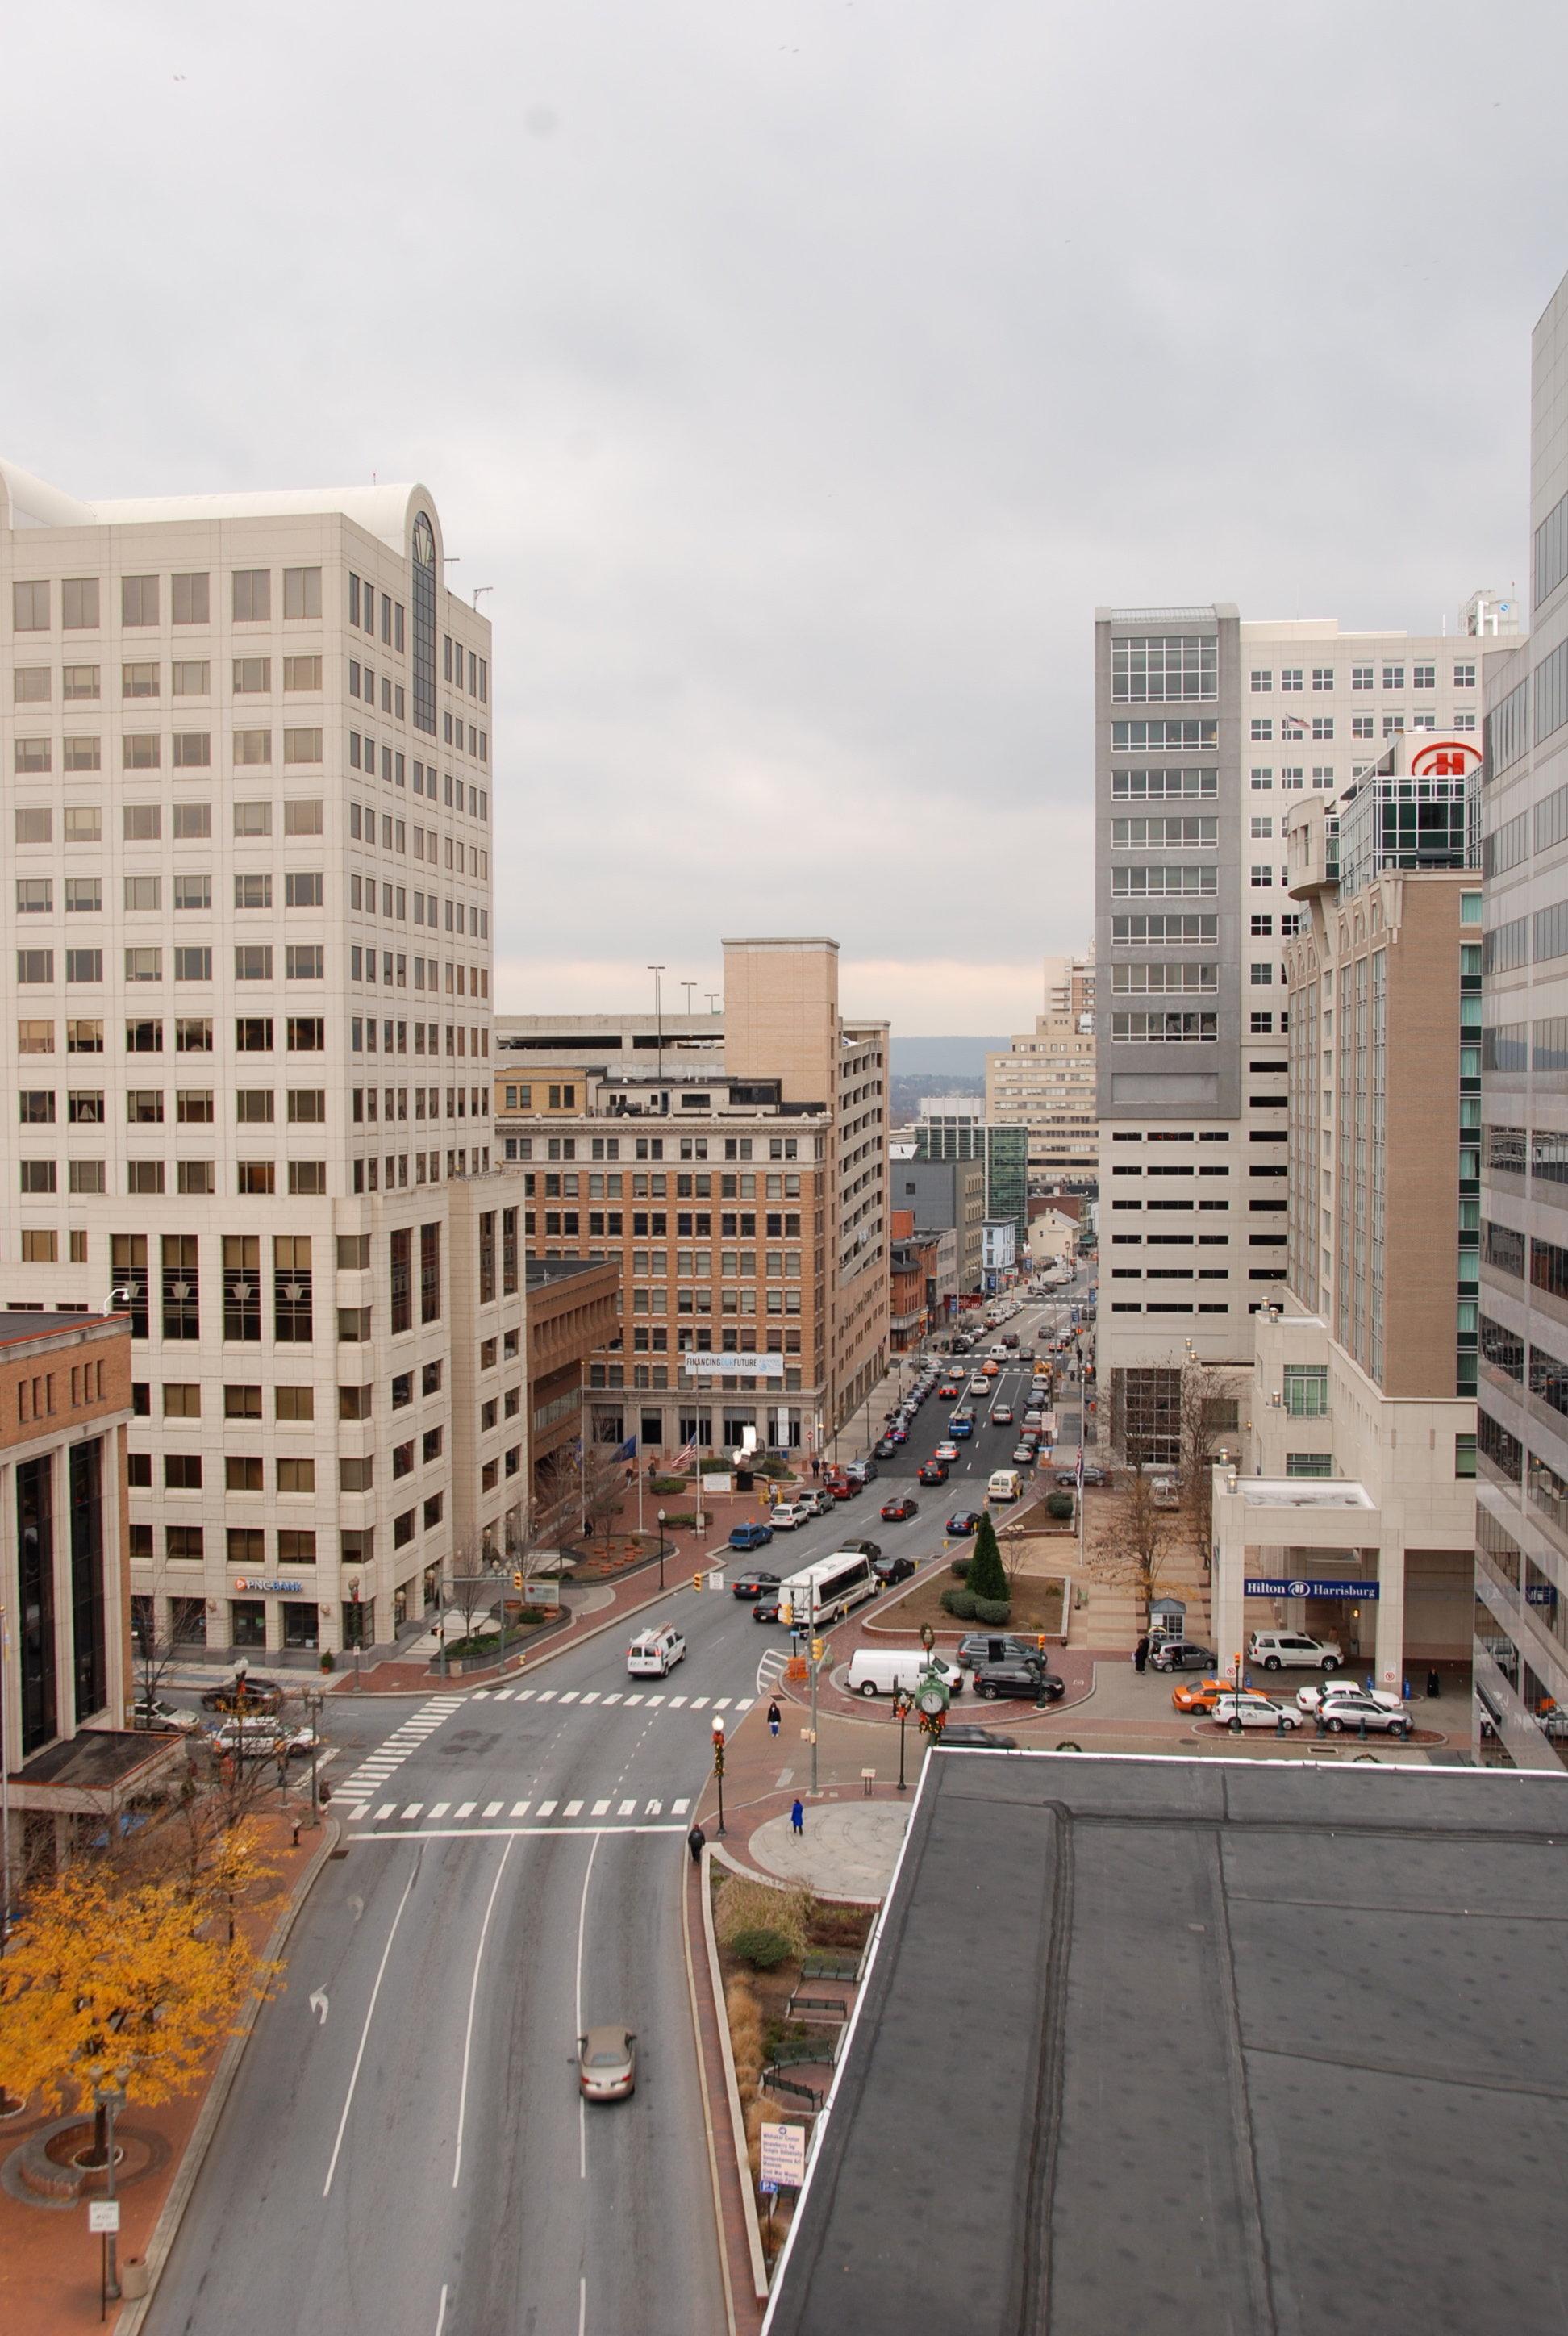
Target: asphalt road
x,y
404,2149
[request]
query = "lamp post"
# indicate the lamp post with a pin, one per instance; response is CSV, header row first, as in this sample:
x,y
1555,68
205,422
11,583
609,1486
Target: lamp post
x,y
658,973
718,1763
314,1699
902,1707
109,2099
661,1549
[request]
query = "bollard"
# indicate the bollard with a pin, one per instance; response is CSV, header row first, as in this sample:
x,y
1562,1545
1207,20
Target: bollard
x,y
1361,1727
1280,1724
1322,1724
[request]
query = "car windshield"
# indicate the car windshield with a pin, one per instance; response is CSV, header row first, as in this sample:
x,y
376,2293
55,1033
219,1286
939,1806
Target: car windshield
x,y
608,2058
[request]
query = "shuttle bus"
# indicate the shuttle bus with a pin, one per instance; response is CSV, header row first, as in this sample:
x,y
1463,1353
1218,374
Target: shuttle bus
x,y
822,1592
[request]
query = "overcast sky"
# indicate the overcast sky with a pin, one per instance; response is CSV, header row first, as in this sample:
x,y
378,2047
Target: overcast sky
x,y
801,374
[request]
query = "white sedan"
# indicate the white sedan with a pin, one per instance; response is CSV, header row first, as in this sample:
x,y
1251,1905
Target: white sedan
x,y
1310,1699
948,1451
1255,1711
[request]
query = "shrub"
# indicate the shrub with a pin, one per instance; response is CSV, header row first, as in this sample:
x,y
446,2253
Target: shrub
x,y
747,1905
993,1611
1060,1505
667,1484
986,1576
960,1568
763,1950
686,1517
960,1604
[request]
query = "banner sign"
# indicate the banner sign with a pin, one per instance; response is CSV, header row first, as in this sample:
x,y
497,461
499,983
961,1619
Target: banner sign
x,y
1261,1587
749,1367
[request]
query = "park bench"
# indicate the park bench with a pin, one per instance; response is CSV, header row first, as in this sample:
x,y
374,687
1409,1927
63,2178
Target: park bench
x,y
831,1966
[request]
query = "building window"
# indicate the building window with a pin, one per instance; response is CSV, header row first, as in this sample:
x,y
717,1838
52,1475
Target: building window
x,y
424,593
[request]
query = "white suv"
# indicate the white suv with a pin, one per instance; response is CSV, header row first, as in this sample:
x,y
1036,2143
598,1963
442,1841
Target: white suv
x,y
654,1653
1277,1650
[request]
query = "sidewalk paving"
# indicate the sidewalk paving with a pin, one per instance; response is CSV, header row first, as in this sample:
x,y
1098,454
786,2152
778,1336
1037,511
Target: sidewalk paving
x,y
847,1850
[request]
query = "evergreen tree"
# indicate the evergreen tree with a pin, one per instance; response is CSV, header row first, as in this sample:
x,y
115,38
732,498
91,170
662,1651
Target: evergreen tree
x,y
986,1576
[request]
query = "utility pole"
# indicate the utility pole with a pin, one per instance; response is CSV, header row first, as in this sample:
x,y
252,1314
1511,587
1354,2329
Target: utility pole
x,y
657,972
817,1658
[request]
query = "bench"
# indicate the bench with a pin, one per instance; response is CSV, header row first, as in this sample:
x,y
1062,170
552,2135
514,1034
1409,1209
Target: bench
x,y
812,2095
830,1966
816,2007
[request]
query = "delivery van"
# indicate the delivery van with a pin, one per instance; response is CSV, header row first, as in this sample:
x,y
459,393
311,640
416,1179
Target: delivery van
x,y
1006,1484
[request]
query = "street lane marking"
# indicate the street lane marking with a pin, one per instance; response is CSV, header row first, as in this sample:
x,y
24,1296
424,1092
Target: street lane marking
x,y
574,1808
546,1694
385,1811
602,1808
570,1696
655,1808
440,2315
501,1694
524,1693
591,1695
520,1808
631,1699
676,1701
721,1704
613,1698
439,1809
369,2016
473,1999
653,1700
679,1809
493,1808
626,1809
582,1919
412,1809
697,1702
548,1808
466,1808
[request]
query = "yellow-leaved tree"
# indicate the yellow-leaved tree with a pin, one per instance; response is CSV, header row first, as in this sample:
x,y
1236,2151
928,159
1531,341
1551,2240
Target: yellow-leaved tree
x,y
128,1980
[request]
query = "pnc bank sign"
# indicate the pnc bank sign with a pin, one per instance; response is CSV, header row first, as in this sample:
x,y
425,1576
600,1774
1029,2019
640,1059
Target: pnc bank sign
x,y
1444,758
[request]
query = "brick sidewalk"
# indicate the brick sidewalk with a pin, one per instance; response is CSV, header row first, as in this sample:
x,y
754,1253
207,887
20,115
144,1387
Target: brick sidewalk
x,y
50,2267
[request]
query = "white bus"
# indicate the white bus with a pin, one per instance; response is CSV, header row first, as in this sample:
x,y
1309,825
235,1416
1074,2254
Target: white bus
x,y
821,1593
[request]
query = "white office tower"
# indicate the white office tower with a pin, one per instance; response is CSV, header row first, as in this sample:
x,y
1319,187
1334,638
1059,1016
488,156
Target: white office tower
x,y
247,1026
1208,729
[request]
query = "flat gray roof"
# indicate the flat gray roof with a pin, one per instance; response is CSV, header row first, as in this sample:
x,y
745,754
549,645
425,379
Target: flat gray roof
x,y
1159,2044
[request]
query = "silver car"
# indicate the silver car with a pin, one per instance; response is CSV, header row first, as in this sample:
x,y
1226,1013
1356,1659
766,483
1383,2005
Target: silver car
x,y
1342,1712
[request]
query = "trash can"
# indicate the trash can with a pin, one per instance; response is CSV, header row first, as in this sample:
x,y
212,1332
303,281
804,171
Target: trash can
x,y
133,2278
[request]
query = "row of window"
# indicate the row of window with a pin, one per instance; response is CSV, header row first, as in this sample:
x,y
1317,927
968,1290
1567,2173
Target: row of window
x,y
394,769
254,1179
365,1176
427,907
142,823
302,961
371,1104
1541,1046
193,1106
305,1035
34,684
303,888
188,750
615,1184
427,841
462,981
644,1148
251,599
1422,676
245,1546
362,749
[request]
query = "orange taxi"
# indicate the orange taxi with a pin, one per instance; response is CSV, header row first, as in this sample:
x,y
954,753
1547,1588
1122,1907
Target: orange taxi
x,y
989,1367
1200,1695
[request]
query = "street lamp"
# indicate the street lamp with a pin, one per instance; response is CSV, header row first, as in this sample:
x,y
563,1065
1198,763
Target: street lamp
x,y
718,1763
314,1699
109,2099
661,1549
901,1708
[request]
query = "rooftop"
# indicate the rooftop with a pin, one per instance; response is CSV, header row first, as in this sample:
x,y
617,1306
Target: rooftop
x,y
19,1326
1159,2044
29,501
542,1271
1303,1492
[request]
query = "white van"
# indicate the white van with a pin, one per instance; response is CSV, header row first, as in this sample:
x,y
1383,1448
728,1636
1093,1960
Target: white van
x,y
879,1670
1006,1484
654,1653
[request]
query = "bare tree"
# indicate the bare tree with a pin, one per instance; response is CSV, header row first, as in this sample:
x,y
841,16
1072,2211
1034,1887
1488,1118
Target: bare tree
x,y
1208,1401
151,1657
1133,1544
601,1485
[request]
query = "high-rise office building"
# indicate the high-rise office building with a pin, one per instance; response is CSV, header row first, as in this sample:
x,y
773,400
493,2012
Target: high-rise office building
x,y
735,1165
1044,1082
1521,1650
271,1141
949,1127
1207,730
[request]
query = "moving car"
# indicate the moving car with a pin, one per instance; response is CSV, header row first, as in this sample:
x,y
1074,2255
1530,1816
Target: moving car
x,y
879,1670
767,1607
871,1549
1015,1678
1066,1477
1310,1699
886,1448
1004,1485
1278,1649
606,2064
1255,1711
949,1391
893,1569
755,1536
1181,1655
964,1520
960,1428
262,1739
245,1691
785,1515
898,1512
164,1718
977,1647
1024,1456
1001,1415
1341,1712
964,1732
753,1583
653,1654
934,1471
1200,1695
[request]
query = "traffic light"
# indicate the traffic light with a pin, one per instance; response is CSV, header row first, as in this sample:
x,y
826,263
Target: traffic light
x,y
1040,1641
697,1581
816,1651
786,1612
517,1581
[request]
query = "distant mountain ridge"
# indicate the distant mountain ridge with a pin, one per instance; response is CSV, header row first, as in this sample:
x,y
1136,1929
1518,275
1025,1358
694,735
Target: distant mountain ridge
x,y
944,1057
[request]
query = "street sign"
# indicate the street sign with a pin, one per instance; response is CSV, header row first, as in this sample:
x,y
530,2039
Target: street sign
x,y
783,2155
768,2189
102,2215
1277,1587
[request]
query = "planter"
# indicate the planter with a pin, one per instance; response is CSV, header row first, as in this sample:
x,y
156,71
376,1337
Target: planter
x,y
135,2280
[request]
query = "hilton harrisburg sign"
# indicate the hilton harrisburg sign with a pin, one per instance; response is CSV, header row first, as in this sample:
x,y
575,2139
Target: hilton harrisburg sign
x,y
1262,1586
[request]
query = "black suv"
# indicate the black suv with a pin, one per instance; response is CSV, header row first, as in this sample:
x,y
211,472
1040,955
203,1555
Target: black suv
x,y
1015,1677
964,1731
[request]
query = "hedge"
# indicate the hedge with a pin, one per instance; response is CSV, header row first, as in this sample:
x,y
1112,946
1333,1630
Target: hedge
x,y
993,1611
763,1950
960,1604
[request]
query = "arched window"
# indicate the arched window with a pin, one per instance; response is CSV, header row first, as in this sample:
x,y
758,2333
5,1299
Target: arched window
x,y
424,625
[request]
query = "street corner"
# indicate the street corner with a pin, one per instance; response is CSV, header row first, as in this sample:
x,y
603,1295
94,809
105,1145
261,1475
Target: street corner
x,y
844,1849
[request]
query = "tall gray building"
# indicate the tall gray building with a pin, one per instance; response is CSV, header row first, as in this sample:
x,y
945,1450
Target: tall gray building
x,y
1520,1655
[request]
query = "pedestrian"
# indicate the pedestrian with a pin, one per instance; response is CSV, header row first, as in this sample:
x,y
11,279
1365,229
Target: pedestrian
x,y
694,1842
798,1818
773,1717
1141,1654
816,1463
1434,1684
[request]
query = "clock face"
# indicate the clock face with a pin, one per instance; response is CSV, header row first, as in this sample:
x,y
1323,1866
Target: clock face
x,y
931,1700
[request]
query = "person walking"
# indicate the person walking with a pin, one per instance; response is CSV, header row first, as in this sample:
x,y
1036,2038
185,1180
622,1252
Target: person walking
x,y
816,1464
1141,1654
798,1818
695,1839
773,1717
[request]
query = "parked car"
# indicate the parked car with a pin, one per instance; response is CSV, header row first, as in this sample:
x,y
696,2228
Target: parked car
x,y
819,1500
785,1515
1341,1712
932,1471
1200,1695
878,1671
1015,1678
1181,1655
998,1647
753,1536
862,1472
653,1654
245,1691
899,1512
606,2064
1067,1478
964,1520
1001,1415
753,1583
886,1448
164,1718
1255,1711
1277,1650
844,1488
893,1569
1310,1699
962,1733
871,1549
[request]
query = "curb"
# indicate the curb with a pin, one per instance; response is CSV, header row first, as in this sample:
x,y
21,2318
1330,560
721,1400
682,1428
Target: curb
x,y
166,2230
503,1676
719,2235
777,1882
738,2120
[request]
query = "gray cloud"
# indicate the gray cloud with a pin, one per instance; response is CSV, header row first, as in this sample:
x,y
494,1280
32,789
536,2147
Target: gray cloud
x,y
800,376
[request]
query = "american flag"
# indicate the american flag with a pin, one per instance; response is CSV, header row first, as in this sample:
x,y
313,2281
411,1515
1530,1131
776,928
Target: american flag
x,y
685,1456
1078,1473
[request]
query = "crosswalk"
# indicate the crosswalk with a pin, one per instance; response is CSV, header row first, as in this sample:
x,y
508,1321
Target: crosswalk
x,y
377,1766
608,1811
584,1697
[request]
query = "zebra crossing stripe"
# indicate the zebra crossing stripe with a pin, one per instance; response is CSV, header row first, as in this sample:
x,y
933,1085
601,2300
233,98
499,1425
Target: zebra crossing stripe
x,y
655,1808
631,1699
679,1809
574,1808
592,1695
602,1808
626,1809
385,1811
413,1810
524,1693
722,1703
698,1702
570,1694
676,1701
501,1693
612,1699
653,1700
439,1809
493,1808
547,1808
546,1694
466,1808
520,1808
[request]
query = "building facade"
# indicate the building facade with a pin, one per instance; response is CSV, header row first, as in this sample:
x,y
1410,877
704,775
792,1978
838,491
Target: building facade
x,y
945,1195
1046,1084
948,1129
1208,729
1521,1645
733,1165
267,711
